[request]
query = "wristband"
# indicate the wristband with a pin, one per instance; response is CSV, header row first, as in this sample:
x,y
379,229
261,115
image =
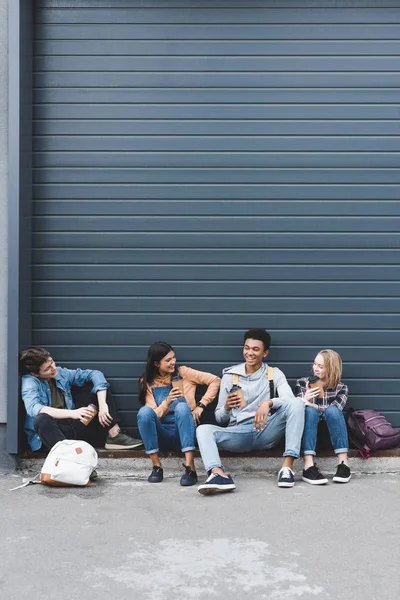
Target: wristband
x,y
202,405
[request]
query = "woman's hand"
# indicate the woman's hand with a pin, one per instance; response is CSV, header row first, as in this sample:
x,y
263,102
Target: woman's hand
x,y
104,415
310,395
173,395
197,412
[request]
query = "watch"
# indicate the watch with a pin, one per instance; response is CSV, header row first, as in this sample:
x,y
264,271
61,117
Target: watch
x,y
202,405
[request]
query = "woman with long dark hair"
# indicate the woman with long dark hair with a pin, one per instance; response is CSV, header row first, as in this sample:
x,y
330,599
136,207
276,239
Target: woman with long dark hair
x,y
169,414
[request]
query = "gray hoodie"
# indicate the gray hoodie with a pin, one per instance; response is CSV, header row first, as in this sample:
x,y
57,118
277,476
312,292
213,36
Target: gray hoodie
x,y
255,388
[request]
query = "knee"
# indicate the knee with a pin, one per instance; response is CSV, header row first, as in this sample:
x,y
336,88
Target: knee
x,y
311,414
182,409
40,420
202,431
295,405
333,413
145,415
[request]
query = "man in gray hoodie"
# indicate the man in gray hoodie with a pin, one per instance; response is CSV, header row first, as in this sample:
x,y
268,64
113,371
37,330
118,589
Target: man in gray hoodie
x,y
244,405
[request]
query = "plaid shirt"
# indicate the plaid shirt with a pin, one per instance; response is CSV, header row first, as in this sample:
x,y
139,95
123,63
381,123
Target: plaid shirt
x,y
336,396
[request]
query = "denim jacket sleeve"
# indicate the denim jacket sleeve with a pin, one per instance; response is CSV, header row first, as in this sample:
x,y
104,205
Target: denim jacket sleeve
x,y
32,395
81,376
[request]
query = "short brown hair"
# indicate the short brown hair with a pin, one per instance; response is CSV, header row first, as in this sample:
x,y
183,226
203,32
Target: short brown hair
x,y
31,360
333,366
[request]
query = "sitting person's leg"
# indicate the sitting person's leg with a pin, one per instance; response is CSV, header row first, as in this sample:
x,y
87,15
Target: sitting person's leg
x,y
178,433
311,473
186,430
338,434
293,433
210,438
52,430
149,427
96,434
309,439
288,420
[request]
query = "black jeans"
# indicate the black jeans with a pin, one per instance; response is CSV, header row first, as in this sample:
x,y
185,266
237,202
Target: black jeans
x,y
52,430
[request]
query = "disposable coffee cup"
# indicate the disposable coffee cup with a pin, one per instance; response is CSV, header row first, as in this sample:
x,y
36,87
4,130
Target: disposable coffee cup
x,y
315,382
177,383
87,420
238,389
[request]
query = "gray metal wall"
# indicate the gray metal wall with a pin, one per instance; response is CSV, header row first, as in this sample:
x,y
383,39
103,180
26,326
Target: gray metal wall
x,y
3,206
205,167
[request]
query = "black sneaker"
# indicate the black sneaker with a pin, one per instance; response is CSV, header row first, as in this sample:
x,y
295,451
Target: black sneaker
x,y
342,474
156,476
216,484
189,477
314,476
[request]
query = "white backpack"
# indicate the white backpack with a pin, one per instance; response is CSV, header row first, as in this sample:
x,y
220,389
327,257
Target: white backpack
x,y
69,462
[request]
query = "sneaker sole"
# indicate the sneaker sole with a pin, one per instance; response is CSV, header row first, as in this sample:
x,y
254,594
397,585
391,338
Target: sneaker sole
x,y
285,484
315,481
341,479
121,447
216,489
188,484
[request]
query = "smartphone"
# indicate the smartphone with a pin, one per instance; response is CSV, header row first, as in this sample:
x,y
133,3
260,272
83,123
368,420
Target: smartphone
x,y
237,388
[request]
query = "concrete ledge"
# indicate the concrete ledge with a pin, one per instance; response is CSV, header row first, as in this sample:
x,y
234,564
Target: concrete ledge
x,y
135,463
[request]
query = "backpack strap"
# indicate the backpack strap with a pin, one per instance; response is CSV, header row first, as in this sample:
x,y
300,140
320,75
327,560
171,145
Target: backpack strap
x,y
363,449
271,382
235,381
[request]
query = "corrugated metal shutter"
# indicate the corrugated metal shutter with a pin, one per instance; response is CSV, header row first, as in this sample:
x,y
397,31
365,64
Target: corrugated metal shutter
x,y
205,167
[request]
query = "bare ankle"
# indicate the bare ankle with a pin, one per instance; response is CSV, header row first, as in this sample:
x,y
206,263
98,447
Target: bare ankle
x,y
308,462
219,471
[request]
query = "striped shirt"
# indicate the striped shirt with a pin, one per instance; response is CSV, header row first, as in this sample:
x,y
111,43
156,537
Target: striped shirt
x,y
336,396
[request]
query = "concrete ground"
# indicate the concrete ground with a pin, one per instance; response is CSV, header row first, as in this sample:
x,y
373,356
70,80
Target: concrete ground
x,y
127,539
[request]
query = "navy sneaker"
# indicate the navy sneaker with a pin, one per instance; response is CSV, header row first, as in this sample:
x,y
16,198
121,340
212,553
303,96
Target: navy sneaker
x,y
156,476
189,477
285,477
216,484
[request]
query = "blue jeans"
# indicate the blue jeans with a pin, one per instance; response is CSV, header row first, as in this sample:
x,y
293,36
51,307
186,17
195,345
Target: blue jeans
x,y
175,435
336,426
288,420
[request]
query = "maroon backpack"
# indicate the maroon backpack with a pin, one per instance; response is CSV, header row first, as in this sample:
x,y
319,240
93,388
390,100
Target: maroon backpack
x,y
369,430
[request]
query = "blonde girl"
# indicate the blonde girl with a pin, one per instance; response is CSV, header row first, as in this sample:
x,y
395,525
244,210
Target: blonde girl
x,y
324,399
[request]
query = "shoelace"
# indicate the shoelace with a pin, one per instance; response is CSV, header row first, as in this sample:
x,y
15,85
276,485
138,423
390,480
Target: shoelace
x,y
188,469
286,473
313,469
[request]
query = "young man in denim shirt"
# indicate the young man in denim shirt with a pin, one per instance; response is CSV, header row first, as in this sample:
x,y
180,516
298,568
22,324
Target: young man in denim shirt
x,y
246,412
51,412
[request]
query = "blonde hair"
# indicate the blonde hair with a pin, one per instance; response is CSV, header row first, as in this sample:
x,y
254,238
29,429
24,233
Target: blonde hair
x,y
333,366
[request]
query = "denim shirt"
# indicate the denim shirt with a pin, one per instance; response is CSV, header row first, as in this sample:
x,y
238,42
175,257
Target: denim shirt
x,y
36,394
